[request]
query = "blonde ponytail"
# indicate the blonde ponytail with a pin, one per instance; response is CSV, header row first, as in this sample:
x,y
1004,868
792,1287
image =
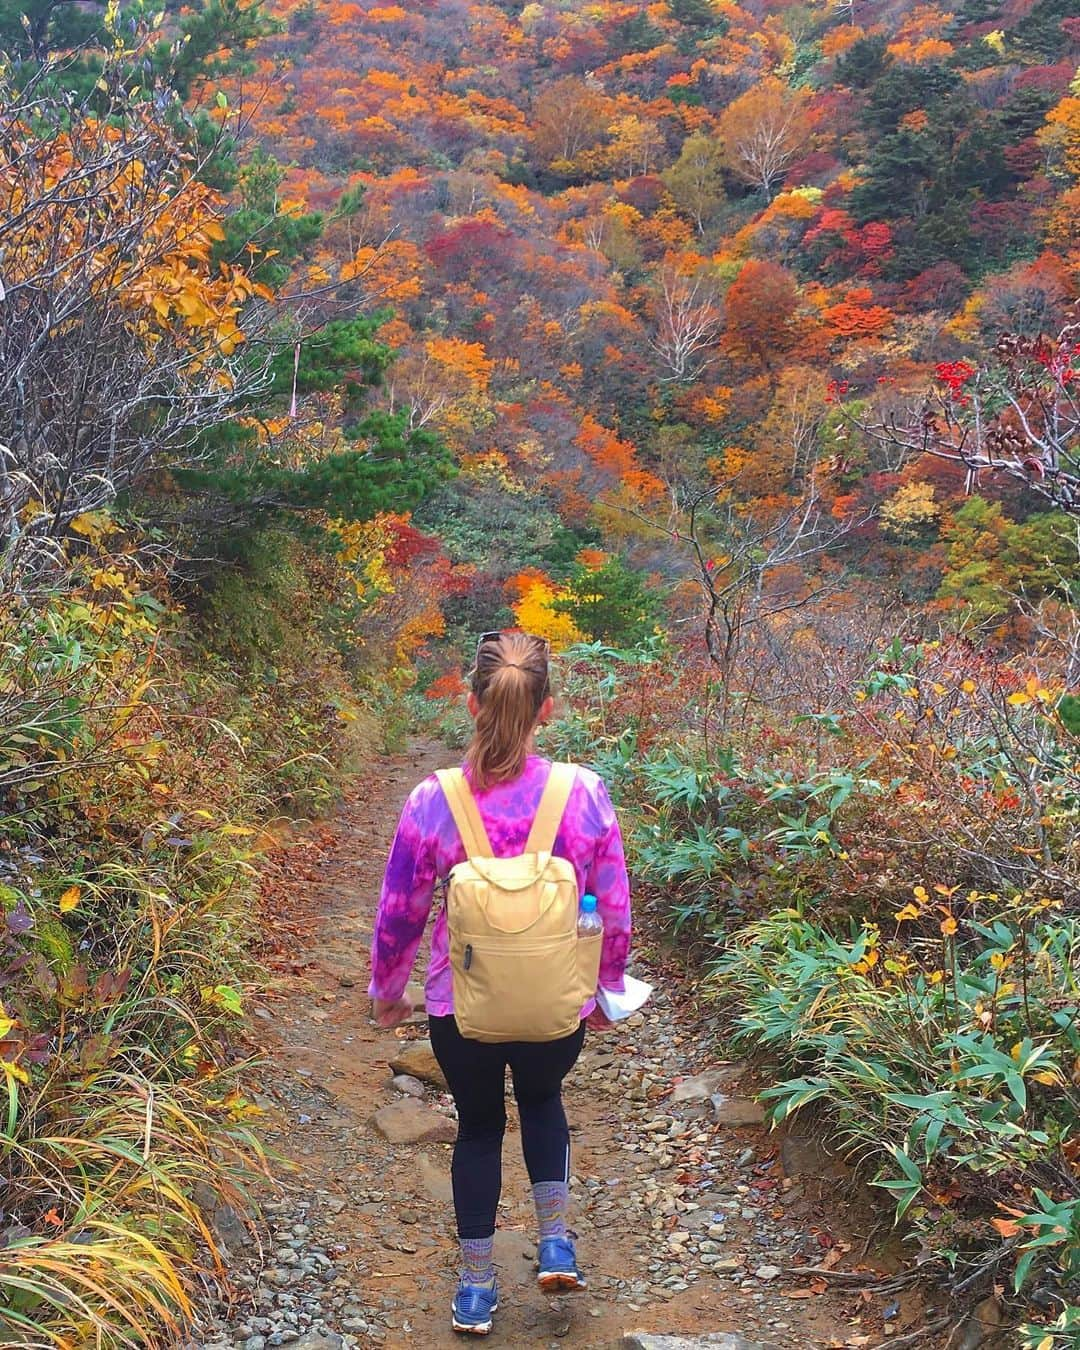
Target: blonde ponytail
x,y
510,681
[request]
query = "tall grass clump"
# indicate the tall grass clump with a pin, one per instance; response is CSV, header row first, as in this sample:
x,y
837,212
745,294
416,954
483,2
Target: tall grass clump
x,y
138,767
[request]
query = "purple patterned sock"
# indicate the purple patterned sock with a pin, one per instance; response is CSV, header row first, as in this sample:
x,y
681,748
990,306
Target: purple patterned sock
x,y
478,1268
551,1199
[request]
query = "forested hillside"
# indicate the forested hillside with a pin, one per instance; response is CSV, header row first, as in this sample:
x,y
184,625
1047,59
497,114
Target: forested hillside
x,y
734,349
635,253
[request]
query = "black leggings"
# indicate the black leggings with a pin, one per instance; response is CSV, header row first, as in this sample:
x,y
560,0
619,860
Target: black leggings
x,y
476,1074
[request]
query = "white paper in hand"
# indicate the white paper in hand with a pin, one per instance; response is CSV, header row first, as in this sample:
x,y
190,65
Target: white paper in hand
x,y
616,1007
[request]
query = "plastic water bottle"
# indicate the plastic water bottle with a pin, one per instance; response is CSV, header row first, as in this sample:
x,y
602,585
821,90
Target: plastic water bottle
x,y
589,923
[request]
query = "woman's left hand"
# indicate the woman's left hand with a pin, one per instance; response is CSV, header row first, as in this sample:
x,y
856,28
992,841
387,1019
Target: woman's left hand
x,y
391,1012
598,1020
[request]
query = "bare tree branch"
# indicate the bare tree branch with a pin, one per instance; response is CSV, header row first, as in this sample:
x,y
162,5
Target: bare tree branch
x,y
1019,420
121,344
690,319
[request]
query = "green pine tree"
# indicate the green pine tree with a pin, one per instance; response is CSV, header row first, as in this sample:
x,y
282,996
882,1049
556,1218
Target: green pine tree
x,y
612,603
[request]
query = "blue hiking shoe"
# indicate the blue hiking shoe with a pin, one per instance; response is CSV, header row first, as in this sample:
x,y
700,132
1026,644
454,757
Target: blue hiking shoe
x,y
472,1308
558,1266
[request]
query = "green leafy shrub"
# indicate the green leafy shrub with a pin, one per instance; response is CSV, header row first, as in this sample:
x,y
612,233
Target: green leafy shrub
x,y
933,1024
947,1065
1061,1334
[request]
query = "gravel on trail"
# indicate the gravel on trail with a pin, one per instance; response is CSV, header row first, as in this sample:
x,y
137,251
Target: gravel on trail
x,y
690,1215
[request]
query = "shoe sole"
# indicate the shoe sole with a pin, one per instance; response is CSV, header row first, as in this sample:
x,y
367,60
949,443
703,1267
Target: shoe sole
x,y
473,1328
553,1281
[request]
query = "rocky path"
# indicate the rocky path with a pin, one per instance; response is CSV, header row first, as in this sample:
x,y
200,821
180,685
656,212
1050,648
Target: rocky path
x,y
690,1215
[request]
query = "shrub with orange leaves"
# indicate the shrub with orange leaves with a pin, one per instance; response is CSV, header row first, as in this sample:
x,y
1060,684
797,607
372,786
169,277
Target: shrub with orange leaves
x,y
857,317
837,40
448,685
592,558
120,344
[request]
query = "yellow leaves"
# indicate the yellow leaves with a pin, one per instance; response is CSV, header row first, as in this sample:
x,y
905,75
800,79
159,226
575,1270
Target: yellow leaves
x,y
392,271
228,338
94,526
7,1023
170,280
715,406
469,359
910,510
14,1071
534,611
1033,692
1061,135
922,901
69,900
107,578
189,303
240,1109
530,16
494,466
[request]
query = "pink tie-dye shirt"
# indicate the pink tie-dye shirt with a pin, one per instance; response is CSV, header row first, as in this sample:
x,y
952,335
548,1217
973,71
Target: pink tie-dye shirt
x,y
427,845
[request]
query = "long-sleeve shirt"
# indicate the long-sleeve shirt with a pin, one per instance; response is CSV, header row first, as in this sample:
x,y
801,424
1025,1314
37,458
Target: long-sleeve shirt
x,y
427,845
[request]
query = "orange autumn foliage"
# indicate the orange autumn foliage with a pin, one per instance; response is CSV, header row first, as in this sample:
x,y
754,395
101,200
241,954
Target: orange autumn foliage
x,y
856,316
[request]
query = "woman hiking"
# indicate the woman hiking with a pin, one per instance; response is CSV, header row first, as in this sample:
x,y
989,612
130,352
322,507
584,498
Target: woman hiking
x,y
513,972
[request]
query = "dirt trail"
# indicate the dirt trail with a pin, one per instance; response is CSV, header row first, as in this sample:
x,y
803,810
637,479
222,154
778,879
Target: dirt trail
x,y
380,1213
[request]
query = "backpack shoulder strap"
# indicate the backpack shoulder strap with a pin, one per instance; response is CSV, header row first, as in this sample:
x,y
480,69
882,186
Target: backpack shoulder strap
x,y
549,813
466,813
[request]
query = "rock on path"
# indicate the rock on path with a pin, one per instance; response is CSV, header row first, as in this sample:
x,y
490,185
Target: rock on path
x,y
416,1059
644,1340
411,1122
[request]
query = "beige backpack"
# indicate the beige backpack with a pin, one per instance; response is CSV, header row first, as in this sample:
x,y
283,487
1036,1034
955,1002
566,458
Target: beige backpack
x,y
520,971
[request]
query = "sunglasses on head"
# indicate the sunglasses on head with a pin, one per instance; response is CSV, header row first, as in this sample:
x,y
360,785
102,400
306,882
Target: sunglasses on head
x,y
496,633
